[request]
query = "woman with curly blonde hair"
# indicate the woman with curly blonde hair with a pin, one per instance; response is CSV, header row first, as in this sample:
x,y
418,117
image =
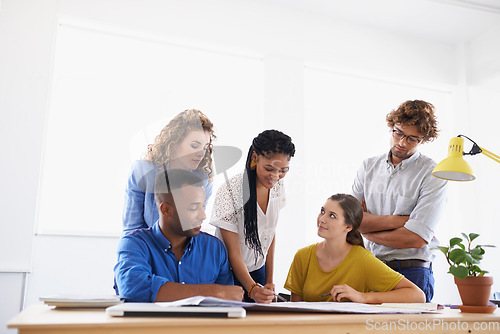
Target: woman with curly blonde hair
x,y
184,143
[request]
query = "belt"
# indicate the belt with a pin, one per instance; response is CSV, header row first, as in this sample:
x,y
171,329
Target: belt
x,y
403,264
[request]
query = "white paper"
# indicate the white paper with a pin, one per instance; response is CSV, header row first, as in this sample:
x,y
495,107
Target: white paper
x,y
317,307
416,306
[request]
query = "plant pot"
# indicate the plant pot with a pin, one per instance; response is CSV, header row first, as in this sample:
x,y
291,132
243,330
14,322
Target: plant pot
x,y
474,291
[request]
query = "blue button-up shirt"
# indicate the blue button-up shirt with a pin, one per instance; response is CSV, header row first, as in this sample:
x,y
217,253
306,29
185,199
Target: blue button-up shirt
x,y
409,189
146,262
140,209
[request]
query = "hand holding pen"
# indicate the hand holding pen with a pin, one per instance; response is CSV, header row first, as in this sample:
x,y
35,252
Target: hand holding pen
x,y
263,294
344,292
275,295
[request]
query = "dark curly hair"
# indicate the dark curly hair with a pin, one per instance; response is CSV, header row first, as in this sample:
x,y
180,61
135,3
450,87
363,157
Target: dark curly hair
x,y
160,152
418,113
266,143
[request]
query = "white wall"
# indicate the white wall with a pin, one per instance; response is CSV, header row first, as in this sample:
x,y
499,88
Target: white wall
x,y
26,33
72,265
286,40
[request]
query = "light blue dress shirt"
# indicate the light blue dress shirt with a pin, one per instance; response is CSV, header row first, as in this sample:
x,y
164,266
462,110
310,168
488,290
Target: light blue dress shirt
x,y
140,207
146,262
407,189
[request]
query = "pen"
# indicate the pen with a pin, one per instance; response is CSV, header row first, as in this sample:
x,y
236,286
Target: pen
x,y
275,295
325,295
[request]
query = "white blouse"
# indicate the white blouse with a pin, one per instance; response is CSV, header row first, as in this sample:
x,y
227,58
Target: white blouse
x,y
228,214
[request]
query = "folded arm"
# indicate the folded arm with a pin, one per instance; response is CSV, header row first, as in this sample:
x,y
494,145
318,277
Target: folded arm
x,y
397,238
171,291
376,223
415,230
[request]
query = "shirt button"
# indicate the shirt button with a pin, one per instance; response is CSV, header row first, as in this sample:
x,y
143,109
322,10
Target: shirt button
x,y
183,283
166,250
180,262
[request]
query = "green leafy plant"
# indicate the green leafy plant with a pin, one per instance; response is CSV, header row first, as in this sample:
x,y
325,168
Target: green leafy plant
x,y
463,260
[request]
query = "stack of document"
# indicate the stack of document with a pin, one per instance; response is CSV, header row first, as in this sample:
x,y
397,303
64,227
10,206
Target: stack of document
x,y
81,301
314,307
200,306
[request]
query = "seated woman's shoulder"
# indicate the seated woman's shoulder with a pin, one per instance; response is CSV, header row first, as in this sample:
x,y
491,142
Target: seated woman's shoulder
x,y
307,250
361,252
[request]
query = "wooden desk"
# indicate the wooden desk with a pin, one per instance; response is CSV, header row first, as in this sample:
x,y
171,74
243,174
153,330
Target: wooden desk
x,y
42,319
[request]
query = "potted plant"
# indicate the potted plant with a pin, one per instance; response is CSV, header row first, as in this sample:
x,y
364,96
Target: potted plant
x,y
464,261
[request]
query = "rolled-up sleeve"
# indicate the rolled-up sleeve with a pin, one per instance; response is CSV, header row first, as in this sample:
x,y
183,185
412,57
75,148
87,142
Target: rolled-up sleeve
x,y
358,184
430,205
133,274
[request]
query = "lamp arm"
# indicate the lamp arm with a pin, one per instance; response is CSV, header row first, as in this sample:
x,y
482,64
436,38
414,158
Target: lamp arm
x,y
490,154
475,147
476,150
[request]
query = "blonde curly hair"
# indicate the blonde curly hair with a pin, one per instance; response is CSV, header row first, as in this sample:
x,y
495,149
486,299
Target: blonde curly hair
x,y
160,152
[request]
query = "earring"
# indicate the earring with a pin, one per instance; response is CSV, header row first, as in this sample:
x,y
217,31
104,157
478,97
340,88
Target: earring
x,y
253,164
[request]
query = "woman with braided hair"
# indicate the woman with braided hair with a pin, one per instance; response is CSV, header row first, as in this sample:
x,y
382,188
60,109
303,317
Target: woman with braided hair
x,y
246,212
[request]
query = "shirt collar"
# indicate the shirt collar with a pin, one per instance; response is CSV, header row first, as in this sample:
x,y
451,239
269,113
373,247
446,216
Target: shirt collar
x,y
406,162
163,242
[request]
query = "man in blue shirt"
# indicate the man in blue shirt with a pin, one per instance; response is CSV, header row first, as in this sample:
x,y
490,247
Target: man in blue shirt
x,y
172,259
402,200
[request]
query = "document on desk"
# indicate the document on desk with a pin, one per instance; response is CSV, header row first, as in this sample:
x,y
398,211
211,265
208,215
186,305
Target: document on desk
x,y
82,301
312,307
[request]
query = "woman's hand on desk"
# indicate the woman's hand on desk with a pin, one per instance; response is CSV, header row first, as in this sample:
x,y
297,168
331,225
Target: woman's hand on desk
x,y
339,292
262,294
270,286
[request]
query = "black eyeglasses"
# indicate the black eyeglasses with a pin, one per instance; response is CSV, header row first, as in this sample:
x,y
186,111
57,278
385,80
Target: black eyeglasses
x,y
410,140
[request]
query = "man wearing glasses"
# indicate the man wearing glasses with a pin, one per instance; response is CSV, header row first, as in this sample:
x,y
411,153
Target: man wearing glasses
x,y
401,200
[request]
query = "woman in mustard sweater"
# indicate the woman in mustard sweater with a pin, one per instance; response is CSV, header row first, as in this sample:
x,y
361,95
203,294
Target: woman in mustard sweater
x,y
339,268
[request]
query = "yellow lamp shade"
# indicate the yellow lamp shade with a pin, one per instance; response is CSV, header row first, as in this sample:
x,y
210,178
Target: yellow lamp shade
x,y
454,168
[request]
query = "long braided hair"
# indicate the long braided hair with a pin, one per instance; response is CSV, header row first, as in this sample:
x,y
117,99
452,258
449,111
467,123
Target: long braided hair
x,y
266,143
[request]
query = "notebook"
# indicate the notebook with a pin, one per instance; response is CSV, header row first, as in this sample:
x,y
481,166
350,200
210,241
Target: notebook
x,y
155,310
80,301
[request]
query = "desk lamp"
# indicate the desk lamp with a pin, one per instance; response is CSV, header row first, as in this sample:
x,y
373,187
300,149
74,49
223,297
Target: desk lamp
x,y
455,168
